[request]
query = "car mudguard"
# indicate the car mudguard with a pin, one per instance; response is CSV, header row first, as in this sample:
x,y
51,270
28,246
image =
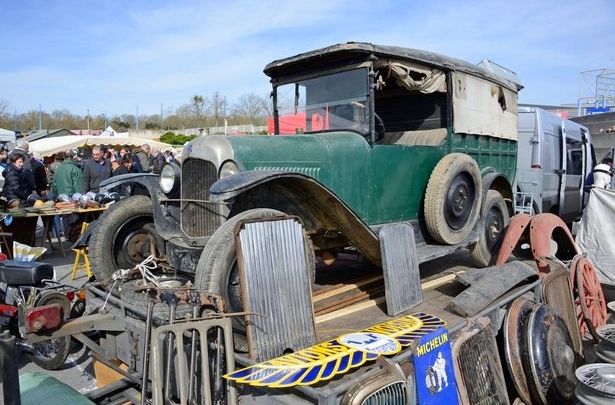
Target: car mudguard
x,y
297,194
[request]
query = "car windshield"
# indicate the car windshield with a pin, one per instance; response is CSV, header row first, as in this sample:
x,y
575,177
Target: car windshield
x,y
336,101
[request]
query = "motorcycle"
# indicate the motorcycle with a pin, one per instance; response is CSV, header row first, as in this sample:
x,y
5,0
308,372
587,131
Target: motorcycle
x,y
32,303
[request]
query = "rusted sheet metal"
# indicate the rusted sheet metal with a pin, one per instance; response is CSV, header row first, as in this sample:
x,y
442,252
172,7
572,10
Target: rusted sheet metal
x,y
489,284
543,229
276,283
516,228
400,265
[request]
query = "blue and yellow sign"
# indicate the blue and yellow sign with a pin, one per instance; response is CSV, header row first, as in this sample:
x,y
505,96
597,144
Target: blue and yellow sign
x,y
325,360
433,365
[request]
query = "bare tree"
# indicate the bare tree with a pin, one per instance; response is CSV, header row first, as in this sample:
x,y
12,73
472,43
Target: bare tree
x,y
218,108
63,119
5,115
198,108
28,120
268,104
250,108
4,108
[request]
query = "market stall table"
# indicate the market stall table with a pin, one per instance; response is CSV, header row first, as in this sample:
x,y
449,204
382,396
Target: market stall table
x,y
23,226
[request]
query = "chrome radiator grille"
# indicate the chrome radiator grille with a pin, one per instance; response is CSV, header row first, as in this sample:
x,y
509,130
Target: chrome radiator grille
x,y
199,218
392,394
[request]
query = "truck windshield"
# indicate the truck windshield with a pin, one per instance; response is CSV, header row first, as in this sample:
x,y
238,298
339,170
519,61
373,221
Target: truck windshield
x,y
336,101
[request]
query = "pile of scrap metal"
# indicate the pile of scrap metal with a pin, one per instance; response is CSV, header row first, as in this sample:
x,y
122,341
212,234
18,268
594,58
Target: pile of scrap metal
x,y
543,333
532,329
551,244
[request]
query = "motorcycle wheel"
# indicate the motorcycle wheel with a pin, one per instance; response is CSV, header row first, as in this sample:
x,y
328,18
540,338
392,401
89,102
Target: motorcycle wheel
x,y
52,354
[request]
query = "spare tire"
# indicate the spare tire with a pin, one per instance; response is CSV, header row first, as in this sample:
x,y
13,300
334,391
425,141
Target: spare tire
x,y
453,198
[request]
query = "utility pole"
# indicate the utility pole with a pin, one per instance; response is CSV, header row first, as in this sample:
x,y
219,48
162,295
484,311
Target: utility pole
x,y
88,119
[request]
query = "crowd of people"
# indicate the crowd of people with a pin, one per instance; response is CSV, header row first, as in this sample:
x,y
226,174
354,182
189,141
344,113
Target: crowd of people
x,y
25,174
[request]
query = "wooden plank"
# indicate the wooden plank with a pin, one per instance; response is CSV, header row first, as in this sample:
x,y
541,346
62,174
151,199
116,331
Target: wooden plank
x,y
349,310
350,300
370,303
325,293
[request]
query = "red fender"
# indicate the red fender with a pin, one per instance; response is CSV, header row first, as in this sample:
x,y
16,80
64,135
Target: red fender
x,y
543,229
516,228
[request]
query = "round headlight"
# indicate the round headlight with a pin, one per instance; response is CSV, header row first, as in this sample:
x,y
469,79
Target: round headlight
x,y
229,168
169,178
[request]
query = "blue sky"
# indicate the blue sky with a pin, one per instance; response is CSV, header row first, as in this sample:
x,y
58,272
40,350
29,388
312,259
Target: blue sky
x,y
117,56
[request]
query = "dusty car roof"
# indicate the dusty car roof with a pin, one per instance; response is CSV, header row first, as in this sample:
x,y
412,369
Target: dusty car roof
x,y
362,50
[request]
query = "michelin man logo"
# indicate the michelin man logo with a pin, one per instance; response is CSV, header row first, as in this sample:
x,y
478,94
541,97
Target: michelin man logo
x,y
435,377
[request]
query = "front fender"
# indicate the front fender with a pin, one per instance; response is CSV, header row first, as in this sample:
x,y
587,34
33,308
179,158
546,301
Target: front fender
x,y
166,215
297,194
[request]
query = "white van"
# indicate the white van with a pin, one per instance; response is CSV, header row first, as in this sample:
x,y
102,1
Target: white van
x,y
554,158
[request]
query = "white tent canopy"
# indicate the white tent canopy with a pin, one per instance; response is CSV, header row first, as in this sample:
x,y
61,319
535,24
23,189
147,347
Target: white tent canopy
x,y
50,146
6,135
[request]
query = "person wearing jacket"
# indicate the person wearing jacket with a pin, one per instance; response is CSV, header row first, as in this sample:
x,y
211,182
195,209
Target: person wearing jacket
x,y
17,185
95,170
126,167
603,173
22,148
158,160
67,178
141,159
41,183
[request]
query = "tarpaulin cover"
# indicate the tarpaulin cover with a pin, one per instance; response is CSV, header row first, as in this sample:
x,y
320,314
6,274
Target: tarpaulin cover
x,y
596,235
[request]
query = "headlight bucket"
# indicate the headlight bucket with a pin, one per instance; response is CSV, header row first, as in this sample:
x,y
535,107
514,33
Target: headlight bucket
x,y
169,178
227,169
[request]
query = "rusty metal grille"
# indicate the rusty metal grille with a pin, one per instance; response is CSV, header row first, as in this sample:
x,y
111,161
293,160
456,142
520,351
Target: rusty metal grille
x,y
188,360
199,218
392,394
556,291
478,364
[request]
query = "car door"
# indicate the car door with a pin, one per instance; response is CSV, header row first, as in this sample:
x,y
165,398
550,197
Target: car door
x,y
571,189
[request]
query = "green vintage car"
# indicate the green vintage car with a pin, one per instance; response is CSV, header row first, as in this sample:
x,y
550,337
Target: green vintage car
x,y
365,135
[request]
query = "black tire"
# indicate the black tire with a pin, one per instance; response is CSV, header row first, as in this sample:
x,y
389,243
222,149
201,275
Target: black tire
x,y
453,198
139,299
52,354
217,271
494,220
122,235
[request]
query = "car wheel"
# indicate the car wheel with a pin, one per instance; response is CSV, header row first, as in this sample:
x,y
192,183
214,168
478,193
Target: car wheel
x,y
453,198
122,237
495,219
